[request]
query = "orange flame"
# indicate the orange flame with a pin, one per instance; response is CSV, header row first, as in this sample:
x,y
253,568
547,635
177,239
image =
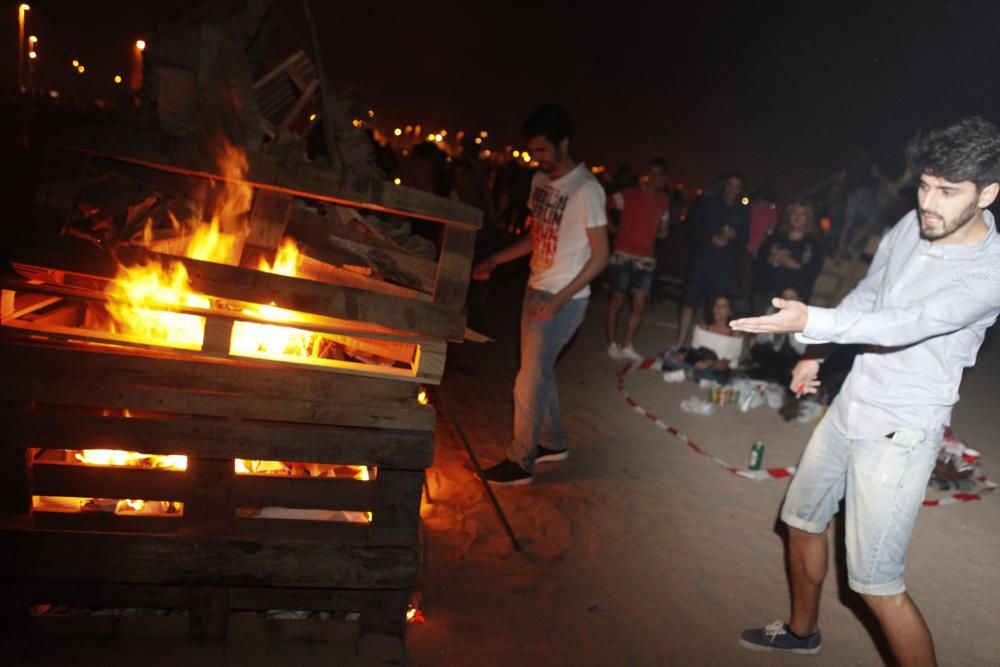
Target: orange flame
x,y
141,297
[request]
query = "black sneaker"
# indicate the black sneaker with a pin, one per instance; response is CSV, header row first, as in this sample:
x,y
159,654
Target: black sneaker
x,y
507,473
777,637
546,455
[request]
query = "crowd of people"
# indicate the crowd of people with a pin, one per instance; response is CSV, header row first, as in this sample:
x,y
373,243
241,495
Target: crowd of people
x,y
728,242
921,313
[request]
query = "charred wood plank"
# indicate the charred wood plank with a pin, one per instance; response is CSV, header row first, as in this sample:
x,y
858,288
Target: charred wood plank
x,y
214,438
230,282
188,157
53,556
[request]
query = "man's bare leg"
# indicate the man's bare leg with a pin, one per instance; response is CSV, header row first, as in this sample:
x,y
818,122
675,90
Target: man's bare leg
x,y
808,556
905,629
611,321
687,314
634,317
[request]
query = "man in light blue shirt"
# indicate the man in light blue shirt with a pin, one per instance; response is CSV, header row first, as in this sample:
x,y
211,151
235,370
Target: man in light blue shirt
x,y
932,291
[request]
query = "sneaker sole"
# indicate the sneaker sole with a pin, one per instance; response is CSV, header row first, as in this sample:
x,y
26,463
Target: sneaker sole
x,y
552,458
776,649
514,482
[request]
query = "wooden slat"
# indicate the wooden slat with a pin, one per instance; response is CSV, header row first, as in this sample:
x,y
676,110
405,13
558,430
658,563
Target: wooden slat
x,y
209,502
430,362
290,61
454,268
318,232
92,521
268,218
303,530
90,481
230,282
124,641
189,157
394,414
185,371
398,493
212,346
120,596
300,104
304,493
18,305
315,264
94,294
159,559
219,438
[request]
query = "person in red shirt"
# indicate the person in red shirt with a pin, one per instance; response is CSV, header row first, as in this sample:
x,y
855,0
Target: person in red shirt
x,y
645,214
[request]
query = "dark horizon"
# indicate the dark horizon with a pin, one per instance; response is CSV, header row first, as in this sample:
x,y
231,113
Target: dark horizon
x,y
784,93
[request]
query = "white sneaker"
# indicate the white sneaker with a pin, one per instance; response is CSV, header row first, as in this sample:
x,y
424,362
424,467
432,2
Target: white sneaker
x,y
628,352
615,351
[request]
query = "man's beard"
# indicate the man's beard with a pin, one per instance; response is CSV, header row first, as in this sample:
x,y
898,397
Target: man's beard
x,y
549,167
949,228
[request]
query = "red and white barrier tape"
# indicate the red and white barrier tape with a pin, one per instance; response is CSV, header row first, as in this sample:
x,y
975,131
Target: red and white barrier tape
x,y
986,486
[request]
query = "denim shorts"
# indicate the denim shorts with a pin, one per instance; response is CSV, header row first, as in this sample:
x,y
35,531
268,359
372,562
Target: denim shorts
x,y
883,480
627,277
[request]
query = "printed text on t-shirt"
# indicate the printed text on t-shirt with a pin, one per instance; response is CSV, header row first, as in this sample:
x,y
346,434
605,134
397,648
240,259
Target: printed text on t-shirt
x,y
547,208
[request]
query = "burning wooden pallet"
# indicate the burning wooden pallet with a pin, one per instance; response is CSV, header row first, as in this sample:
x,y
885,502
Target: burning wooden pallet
x,y
213,541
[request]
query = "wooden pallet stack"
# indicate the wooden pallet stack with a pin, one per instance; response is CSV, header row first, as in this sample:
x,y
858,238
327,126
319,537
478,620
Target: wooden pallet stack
x,y
66,387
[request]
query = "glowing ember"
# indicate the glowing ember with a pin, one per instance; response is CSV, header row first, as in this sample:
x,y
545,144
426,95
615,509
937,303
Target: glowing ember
x,y
422,397
117,457
414,615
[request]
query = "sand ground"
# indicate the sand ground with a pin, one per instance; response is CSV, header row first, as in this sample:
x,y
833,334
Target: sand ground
x,y
637,551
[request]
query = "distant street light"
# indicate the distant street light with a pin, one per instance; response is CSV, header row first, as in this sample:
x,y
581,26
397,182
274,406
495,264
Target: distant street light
x,y
118,78
81,69
135,79
21,9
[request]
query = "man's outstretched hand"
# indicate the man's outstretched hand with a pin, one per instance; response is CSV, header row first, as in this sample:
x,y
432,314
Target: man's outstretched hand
x,y
790,318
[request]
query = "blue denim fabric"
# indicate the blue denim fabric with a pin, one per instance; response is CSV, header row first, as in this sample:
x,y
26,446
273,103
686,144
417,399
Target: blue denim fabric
x,y
626,277
883,480
536,399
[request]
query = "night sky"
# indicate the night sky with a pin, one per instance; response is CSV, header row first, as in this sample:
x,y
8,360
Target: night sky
x,y
783,91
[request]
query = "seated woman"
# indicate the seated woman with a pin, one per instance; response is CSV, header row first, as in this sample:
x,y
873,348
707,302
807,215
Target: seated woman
x,y
715,348
774,355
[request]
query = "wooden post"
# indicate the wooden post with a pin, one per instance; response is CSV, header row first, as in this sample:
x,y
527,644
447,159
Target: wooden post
x,y
209,620
396,516
384,612
15,482
218,335
454,266
209,508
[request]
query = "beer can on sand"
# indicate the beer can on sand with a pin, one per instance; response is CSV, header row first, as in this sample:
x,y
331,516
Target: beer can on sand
x,y
756,455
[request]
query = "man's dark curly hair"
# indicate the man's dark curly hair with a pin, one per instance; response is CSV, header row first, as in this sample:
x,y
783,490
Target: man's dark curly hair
x,y
550,121
968,150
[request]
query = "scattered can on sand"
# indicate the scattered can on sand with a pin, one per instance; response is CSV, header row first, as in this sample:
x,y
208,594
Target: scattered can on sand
x,y
756,455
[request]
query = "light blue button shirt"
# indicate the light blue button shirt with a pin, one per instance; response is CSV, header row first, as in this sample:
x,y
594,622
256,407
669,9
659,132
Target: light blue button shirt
x,y
924,309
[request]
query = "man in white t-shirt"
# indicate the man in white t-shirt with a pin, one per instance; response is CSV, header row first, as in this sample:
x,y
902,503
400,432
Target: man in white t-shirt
x,y
568,243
